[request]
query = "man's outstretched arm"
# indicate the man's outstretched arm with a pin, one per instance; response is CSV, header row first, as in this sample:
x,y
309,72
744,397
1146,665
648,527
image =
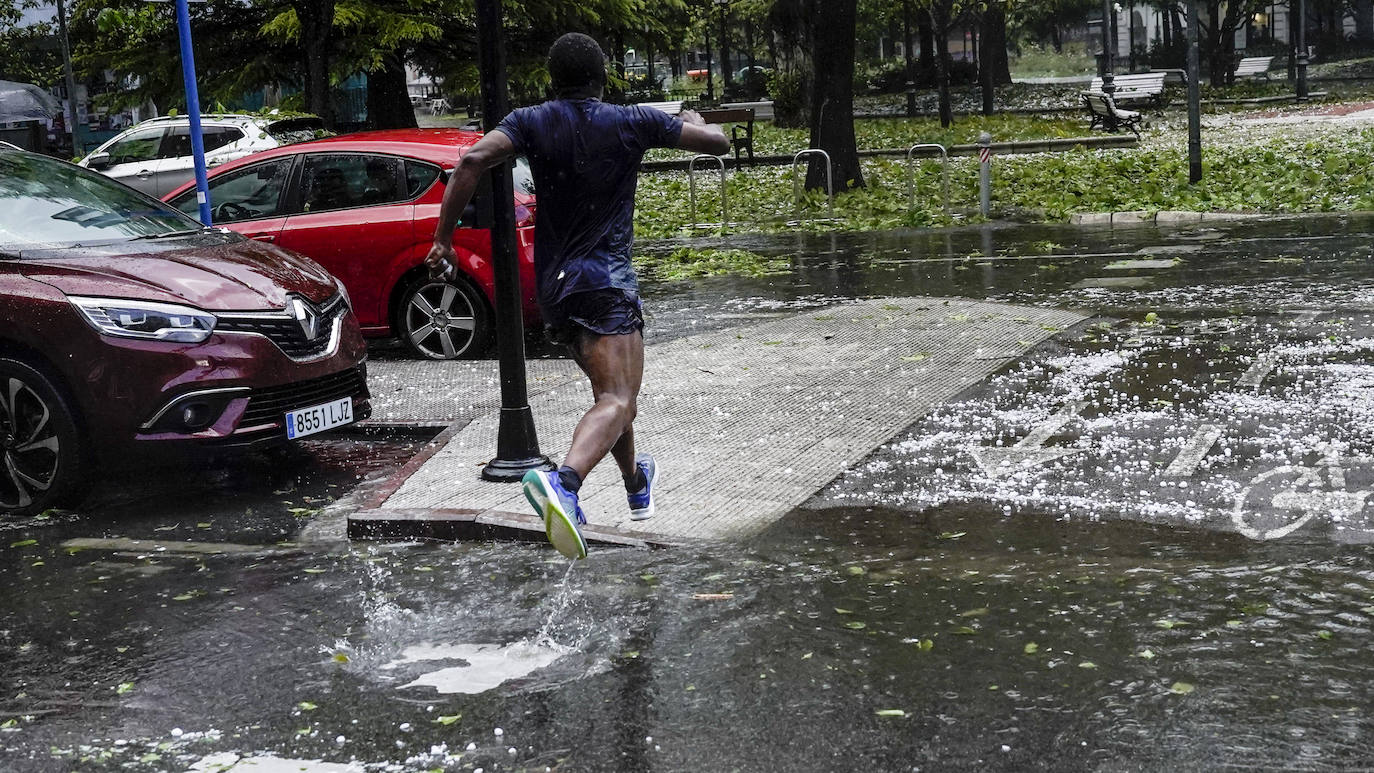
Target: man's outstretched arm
x,y
489,151
698,136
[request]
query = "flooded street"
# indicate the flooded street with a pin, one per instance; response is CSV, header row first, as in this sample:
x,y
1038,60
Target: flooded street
x,y
1145,546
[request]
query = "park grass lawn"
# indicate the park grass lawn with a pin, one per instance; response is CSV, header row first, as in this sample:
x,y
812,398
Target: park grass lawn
x,y
1326,171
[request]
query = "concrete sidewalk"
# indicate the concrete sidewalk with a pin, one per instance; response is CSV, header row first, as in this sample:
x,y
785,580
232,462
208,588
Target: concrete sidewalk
x,y
746,423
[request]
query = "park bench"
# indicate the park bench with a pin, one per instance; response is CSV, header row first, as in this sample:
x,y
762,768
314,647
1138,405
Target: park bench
x,y
1254,67
1104,114
671,107
763,109
741,134
1145,87
1179,77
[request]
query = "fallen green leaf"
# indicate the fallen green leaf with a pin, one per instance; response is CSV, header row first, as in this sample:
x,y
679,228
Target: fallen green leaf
x,y
306,706
124,687
448,719
23,543
890,713
1031,648
856,625
1181,688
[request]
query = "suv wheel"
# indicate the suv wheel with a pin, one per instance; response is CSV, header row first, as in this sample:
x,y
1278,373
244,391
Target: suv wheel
x,y
42,463
443,320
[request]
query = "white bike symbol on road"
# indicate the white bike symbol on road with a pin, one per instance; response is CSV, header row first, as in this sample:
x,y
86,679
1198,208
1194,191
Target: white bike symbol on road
x,y
1290,496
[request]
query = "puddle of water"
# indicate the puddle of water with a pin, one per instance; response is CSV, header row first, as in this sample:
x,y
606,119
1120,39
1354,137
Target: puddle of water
x,y
482,666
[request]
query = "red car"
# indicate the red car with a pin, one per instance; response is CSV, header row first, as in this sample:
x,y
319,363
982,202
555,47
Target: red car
x,y
365,207
126,326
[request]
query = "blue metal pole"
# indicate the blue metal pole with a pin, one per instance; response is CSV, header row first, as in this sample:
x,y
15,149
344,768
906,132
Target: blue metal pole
x,y
188,74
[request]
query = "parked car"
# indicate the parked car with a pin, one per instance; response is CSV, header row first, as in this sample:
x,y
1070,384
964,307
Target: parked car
x,y
365,207
126,326
155,156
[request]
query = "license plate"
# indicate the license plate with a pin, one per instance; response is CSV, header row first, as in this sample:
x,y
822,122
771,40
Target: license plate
x,y
308,421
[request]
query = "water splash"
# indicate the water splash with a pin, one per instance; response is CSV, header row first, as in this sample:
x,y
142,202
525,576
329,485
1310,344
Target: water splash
x,y
560,602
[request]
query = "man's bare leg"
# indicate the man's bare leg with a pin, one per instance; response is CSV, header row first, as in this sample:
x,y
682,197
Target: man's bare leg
x,y
615,366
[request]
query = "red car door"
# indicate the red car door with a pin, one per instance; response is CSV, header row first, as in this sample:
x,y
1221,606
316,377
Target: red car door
x,y
352,217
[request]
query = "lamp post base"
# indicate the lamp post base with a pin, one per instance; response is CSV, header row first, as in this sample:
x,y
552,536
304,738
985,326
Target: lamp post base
x,y
512,470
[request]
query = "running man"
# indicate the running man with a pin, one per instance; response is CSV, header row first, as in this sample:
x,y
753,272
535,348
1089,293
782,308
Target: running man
x,y
585,156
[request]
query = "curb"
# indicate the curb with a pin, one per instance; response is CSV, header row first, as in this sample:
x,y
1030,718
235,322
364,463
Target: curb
x,y
459,525
1168,217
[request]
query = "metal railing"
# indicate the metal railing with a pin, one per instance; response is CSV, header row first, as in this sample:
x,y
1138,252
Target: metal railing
x,y
911,171
692,191
797,183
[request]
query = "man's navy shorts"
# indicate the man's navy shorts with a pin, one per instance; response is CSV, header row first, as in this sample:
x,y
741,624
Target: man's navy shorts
x,y
609,312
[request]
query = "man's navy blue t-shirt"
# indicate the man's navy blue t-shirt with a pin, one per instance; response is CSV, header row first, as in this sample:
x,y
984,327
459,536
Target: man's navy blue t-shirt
x,y
585,156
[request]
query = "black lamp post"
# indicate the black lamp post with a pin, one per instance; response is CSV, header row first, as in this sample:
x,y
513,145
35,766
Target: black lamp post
x,y
517,444
1302,50
724,6
1194,96
1104,61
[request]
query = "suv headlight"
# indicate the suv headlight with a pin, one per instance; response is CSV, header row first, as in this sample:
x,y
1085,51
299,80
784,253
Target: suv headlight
x,y
146,319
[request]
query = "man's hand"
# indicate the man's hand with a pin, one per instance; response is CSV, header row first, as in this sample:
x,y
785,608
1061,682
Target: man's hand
x,y
441,261
692,116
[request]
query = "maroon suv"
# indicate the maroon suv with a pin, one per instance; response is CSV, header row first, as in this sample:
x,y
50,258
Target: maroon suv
x,y
126,326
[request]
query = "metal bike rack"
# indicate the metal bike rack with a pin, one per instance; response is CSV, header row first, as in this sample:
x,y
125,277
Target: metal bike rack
x,y
797,182
692,191
911,170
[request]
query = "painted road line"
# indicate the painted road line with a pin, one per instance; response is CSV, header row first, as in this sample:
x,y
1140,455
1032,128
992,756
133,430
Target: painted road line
x,y
1029,451
1193,452
1261,367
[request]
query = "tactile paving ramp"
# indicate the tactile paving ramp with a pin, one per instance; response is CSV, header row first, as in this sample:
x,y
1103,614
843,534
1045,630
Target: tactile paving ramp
x,y
424,391
749,422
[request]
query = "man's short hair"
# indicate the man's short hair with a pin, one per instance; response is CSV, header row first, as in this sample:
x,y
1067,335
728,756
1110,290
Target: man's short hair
x,y
577,66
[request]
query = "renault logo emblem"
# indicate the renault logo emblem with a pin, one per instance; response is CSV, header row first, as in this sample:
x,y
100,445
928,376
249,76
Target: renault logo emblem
x,y
305,314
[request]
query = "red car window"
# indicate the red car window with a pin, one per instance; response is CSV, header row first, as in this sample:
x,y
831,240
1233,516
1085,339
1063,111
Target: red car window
x,y
243,194
332,181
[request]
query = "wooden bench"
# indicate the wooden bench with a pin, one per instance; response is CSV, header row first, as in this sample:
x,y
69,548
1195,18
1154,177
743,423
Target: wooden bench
x,y
671,107
1254,67
741,134
763,109
1145,87
1104,114
1174,76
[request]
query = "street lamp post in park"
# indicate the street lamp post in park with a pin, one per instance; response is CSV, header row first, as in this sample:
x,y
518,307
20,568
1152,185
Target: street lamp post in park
x,y
724,6
517,444
1104,65
1302,51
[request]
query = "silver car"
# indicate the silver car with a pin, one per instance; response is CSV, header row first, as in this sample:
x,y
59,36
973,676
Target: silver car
x,y
155,156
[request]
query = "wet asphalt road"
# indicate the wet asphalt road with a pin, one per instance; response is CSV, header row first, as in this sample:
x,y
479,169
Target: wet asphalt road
x,y
1143,547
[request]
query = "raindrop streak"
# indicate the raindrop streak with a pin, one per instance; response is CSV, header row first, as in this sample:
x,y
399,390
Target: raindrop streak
x,y
560,602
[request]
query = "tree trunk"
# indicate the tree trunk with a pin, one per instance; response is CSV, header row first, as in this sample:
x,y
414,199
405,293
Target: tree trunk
x,y
832,96
388,99
908,41
317,40
1364,21
939,23
1056,39
994,37
926,32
